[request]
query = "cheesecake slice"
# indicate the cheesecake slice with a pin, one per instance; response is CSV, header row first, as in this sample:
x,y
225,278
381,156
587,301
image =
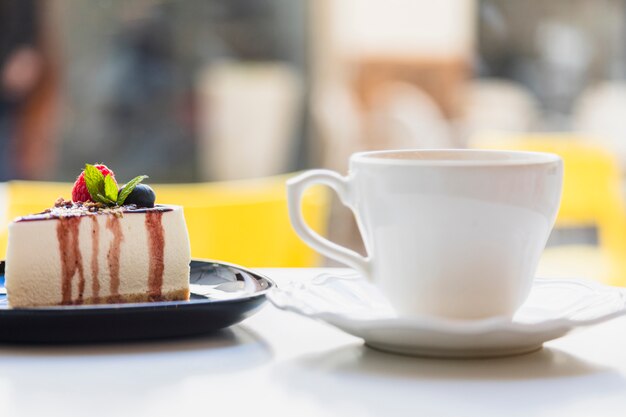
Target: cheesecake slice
x,y
109,244
76,253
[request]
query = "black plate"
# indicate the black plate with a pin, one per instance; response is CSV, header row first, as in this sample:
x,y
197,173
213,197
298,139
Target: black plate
x,y
221,295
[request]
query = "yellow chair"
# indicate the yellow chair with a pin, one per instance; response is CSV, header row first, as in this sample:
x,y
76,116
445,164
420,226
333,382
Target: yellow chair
x,y
592,196
244,222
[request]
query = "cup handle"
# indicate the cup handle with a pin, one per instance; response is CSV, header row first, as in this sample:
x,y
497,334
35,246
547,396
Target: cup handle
x,y
296,187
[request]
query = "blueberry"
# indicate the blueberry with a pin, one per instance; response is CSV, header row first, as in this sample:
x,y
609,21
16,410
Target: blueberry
x,y
141,196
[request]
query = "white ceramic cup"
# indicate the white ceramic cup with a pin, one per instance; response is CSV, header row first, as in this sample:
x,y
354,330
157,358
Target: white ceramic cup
x,y
449,233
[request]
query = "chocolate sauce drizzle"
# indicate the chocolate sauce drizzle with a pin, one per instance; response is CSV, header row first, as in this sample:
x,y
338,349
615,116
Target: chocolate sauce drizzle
x,y
79,211
95,268
113,258
71,259
156,245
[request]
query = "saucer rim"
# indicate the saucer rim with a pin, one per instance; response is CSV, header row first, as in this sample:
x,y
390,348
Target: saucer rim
x,y
445,325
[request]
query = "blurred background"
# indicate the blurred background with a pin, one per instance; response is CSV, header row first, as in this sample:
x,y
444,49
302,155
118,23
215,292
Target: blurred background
x,y
235,95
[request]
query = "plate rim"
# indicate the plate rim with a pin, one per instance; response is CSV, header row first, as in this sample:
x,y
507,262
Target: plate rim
x,y
130,307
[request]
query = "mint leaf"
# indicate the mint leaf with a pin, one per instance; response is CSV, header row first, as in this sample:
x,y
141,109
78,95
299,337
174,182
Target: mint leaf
x,y
110,188
104,200
94,180
128,188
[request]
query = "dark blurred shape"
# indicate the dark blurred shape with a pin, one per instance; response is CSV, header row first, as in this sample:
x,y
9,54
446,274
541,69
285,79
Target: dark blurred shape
x,y
132,68
143,97
27,91
556,49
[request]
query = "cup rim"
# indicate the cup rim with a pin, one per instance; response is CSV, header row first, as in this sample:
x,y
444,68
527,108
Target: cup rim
x,y
490,157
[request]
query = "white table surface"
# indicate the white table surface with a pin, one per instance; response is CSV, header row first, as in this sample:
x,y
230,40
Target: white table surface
x,y
280,364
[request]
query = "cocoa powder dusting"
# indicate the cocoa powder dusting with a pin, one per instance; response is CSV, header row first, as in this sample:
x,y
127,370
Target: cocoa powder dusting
x,y
156,246
71,259
113,258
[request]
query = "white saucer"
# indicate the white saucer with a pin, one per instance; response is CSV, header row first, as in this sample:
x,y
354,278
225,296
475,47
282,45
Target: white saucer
x,y
553,309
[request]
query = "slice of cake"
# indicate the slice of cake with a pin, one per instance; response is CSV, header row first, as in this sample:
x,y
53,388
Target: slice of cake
x,y
108,245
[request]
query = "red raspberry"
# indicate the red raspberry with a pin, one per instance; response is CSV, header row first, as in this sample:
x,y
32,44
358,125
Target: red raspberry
x,y
79,191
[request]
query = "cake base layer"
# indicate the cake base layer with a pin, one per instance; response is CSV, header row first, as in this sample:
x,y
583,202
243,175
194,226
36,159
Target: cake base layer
x,y
174,295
